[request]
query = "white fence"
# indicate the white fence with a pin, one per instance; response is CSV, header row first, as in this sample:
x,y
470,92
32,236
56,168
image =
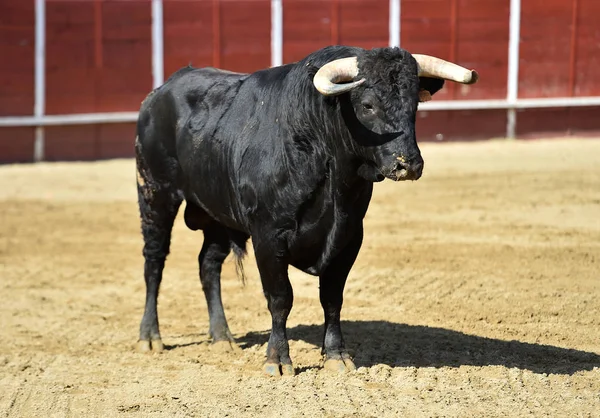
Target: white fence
x,y
512,102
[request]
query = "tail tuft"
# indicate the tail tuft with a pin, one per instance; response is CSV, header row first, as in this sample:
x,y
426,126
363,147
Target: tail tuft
x,y
239,251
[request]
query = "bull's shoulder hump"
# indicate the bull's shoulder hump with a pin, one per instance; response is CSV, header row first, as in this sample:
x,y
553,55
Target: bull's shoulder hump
x,y
220,71
211,75
203,80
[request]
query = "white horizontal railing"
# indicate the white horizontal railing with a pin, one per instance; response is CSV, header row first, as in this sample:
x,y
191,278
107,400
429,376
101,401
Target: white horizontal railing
x,y
70,119
511,103
123,117
504,104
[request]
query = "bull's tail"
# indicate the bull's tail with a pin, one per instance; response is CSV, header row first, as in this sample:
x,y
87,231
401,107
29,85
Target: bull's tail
x,y
238,246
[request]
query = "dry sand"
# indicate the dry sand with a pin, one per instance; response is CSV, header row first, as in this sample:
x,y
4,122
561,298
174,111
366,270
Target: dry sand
x,y
476,293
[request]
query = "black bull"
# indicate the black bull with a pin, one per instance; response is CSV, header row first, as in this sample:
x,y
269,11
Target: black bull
x,y
265,155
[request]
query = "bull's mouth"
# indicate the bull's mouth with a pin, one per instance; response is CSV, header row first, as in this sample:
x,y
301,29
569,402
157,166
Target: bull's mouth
x,y
402,171
398,175
398,172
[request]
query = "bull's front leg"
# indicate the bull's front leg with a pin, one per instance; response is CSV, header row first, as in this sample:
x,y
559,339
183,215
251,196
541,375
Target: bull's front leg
x,y
278,292
331,288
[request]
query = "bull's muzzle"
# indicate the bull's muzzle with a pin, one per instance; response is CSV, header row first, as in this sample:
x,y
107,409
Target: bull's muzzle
x,y
407,169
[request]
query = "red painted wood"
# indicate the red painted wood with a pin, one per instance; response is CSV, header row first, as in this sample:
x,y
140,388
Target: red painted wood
x,y
335,22
558,121
560,48
16,145
451,87
583,120
364,23
70,143
90,142
231,34
216,33
98,35
76,81
587,76
306,27
312,24
17,36
481,40
245,34
544,51
115,140
460,125
188,34
573,45
99,58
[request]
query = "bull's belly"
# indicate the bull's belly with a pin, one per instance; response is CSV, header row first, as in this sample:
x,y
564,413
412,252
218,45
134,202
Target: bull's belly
x,y
315,260
312,255
203,207
308,260
309,266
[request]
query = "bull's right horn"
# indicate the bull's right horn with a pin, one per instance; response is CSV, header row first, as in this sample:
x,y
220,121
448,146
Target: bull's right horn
x,y
438,68
340,70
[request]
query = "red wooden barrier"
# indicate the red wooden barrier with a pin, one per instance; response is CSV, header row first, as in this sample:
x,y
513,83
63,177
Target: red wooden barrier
x,y
17,27
98,58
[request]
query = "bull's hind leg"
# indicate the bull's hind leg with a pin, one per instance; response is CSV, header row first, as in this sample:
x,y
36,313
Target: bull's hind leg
x,y
215,249
159,201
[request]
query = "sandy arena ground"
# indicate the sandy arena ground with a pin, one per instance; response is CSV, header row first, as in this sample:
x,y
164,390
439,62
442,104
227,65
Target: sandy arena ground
x,y
477,293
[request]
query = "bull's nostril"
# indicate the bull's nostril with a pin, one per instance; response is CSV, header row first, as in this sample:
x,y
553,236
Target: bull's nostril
x,y
407,168
402,165
401,170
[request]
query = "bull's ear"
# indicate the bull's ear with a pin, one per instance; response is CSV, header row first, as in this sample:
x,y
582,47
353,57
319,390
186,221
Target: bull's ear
x,y
428,87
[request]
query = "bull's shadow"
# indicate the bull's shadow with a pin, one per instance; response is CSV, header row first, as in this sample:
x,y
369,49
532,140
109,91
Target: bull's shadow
x,y
400,345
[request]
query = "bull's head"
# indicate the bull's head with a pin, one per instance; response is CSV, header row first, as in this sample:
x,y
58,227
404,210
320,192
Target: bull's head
x,y
385,86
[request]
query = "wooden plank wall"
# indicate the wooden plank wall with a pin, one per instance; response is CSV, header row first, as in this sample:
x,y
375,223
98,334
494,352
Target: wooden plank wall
x,y
99,58
312,24
17,44
232,34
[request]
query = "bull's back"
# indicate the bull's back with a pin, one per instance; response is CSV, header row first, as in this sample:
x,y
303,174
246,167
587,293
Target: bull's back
x,y
163,139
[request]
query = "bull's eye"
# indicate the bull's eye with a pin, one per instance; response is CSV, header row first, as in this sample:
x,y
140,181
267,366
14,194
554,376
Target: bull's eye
x,y
367,106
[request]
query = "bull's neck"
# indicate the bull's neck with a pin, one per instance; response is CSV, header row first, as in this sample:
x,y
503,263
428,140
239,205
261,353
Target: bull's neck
x,y
319,119
346,152
343,163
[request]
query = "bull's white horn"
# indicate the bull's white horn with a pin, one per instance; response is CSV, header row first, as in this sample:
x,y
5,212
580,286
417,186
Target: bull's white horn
x,y
340,70
438,68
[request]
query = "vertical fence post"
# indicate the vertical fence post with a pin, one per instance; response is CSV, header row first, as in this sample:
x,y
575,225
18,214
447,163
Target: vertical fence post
x,y
39,106
158,71
513,67
276,33
394,24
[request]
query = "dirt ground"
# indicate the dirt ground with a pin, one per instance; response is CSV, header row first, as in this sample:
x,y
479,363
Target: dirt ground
x,y
476,293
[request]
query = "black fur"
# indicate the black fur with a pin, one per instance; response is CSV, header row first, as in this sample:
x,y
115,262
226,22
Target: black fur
x,y
266,155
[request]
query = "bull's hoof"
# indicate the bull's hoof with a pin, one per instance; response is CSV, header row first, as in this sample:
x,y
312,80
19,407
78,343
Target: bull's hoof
x,y
225,347
277,370
340,365
146,346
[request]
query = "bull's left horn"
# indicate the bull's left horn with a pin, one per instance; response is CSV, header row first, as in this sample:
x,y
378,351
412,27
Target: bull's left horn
x,y
340,70
438,68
